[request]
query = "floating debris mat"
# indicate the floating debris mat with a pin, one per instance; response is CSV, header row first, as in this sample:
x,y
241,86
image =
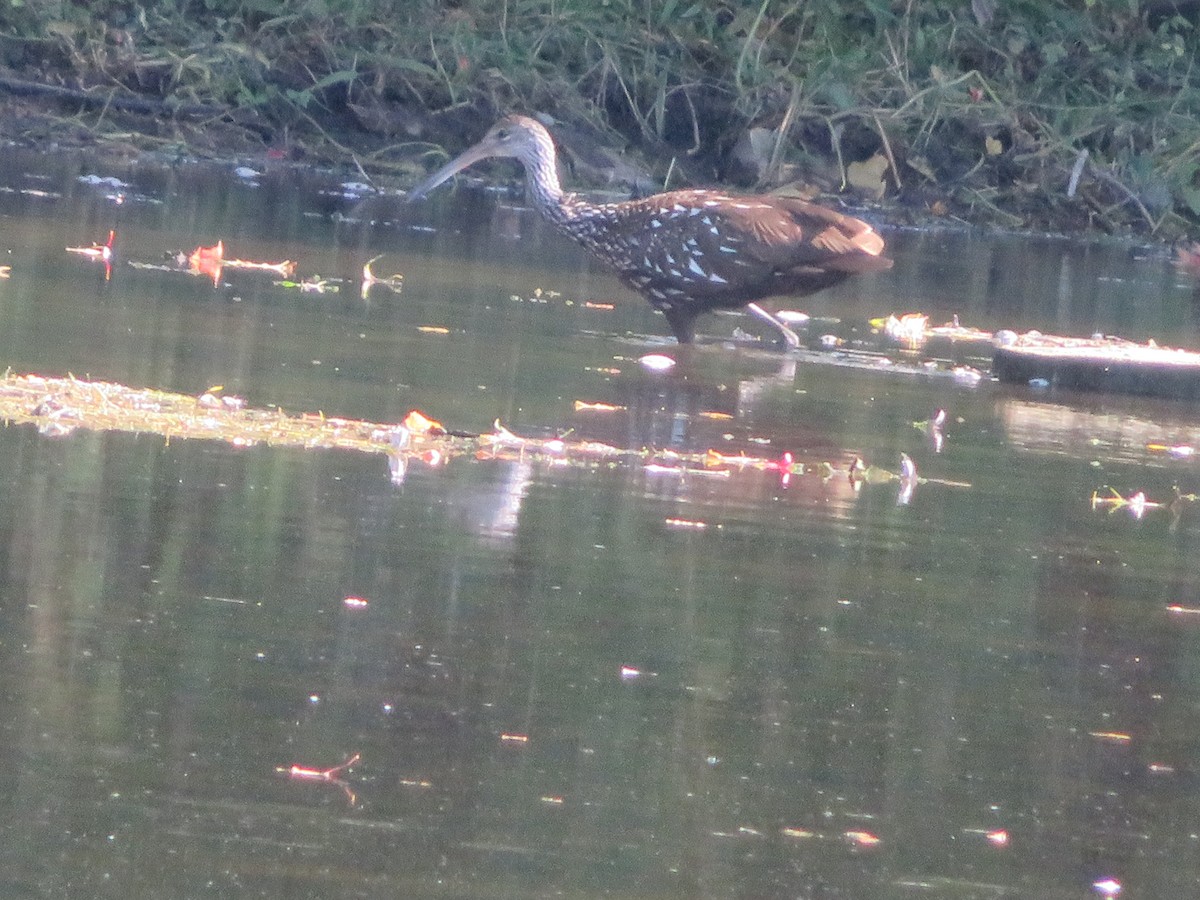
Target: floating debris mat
x,y
59,406
1113,365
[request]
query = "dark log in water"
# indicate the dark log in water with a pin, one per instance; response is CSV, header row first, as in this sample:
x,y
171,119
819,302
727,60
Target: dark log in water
x,y
1105,364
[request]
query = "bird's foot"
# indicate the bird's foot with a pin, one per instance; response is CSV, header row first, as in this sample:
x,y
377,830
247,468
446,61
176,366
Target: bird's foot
x,y
790,338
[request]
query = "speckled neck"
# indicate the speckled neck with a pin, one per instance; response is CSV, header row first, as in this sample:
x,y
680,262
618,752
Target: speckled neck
x,y
541,177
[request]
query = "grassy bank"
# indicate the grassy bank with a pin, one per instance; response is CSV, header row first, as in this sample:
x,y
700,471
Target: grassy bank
x,y
1064,115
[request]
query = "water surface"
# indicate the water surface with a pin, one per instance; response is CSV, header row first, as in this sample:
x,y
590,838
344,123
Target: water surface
x,y
602,679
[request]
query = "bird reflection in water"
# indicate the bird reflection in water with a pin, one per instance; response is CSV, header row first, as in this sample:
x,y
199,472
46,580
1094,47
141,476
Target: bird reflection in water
x,y
679,435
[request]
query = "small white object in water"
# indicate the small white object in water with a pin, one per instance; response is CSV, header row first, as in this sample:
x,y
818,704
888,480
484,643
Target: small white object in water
x,y
793,317
1109,887
246,172
401,437
657,362
397,468
1039,384
966,375
105,180
909,329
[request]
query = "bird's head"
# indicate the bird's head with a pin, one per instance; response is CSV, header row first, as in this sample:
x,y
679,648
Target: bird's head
x,y
518,137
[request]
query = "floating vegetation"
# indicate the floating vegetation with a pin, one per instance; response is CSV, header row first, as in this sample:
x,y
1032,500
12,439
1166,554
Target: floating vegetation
x,y
1138,504
60,406
102,253
331,775
312,285
210,262
392,283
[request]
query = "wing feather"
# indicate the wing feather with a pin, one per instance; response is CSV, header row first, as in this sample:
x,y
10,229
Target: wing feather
x,y
728,250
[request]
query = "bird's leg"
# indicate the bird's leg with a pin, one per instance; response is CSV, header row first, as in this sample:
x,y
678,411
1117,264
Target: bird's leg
x,y
682,322
789,337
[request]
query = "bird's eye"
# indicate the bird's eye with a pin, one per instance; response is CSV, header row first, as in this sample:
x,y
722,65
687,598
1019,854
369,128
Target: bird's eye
x,y
502,134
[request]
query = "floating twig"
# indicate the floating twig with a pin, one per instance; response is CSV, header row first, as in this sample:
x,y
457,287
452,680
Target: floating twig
x,y
332,775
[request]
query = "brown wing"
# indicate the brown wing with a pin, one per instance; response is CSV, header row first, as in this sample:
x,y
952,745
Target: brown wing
x,y
726,250
795,233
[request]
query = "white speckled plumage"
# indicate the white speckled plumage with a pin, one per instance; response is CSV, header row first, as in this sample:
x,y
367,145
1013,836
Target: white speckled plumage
x,y
689,251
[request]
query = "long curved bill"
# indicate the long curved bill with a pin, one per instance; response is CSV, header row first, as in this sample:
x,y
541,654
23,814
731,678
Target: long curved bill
x,y
449,170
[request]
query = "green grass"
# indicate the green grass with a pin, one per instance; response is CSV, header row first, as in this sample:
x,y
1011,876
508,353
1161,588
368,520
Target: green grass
x,y
984,109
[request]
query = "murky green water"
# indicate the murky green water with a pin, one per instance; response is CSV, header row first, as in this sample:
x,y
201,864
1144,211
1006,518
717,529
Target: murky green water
x,y
578,680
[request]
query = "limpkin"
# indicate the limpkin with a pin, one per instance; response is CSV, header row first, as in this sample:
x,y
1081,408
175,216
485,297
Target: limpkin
x,y
689,251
